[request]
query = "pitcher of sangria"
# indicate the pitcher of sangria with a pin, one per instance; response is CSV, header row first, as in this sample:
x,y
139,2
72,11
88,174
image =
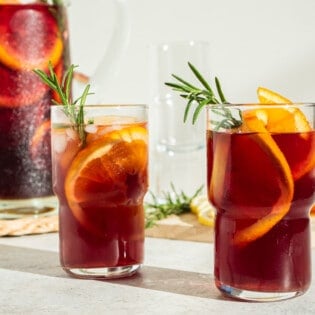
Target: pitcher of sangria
x,y
32,35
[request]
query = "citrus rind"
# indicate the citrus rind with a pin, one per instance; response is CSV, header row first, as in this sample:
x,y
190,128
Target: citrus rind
x,y
26,45
118,153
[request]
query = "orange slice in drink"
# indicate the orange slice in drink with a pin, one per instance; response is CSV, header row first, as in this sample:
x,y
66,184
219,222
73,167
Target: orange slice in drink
x,y
283,178
266,96
102,125
249,170
108,172
289,120
29,38
265,124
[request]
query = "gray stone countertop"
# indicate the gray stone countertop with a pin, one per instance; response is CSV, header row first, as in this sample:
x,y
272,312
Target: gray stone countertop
x,y
177,278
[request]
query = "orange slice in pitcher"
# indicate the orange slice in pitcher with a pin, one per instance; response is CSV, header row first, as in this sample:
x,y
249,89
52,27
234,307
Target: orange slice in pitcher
x,y
29,38
107,172
289,120
9,1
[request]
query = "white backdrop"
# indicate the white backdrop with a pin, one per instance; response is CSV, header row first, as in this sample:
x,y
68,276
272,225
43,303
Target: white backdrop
x,y
253,42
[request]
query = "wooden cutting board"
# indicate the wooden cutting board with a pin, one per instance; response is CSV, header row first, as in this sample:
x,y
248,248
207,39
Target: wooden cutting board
x,y
184,227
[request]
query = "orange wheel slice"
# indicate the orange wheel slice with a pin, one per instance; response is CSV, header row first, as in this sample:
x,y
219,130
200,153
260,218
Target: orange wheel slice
x,y
29,37
289,120
108,172
284,179
267,127
266,96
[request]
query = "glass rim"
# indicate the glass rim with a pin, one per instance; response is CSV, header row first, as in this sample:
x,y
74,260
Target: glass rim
x,y
109,106
179,43
261,105
32,2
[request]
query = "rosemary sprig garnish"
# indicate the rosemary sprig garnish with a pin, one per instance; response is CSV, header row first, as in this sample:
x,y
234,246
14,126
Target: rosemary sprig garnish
x,y
175,203
73,109
204,96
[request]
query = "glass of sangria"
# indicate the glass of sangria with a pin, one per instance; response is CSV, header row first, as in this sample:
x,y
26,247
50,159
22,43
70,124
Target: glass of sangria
x,y
31,35
100,183
261,180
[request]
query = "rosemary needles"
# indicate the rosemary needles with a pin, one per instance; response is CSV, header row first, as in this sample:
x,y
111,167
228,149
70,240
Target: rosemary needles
x,y
203,96
73,109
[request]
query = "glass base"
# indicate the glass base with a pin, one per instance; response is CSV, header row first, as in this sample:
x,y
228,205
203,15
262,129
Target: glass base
x,y
33,207
256,296
103,273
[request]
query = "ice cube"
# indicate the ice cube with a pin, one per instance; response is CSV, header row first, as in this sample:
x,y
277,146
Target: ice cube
x,y
91,128
59,143
71,134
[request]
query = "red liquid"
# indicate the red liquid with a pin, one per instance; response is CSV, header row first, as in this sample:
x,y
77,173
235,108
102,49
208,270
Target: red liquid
x,y
112,233
121,245
280,260
27,33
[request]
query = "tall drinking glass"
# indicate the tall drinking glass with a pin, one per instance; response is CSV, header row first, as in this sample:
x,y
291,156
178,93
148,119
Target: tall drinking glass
x,y
100,185
261,179
31,36
178,148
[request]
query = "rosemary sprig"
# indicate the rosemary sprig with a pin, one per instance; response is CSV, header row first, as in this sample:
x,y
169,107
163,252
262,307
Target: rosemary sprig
x,y
73,109
204,96
175,203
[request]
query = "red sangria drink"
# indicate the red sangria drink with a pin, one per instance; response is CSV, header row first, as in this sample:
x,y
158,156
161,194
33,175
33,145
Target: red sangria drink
x,y
261,179
100,183
31,36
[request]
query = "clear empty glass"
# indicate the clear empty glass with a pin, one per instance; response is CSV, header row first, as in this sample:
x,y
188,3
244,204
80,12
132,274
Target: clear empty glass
x,y
177,147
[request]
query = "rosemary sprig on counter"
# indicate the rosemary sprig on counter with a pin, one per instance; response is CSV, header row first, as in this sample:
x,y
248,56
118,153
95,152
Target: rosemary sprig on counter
x,y
175,203
73,109
204,96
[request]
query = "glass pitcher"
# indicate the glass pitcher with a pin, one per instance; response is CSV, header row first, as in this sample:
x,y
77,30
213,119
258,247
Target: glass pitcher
x,y
34,33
